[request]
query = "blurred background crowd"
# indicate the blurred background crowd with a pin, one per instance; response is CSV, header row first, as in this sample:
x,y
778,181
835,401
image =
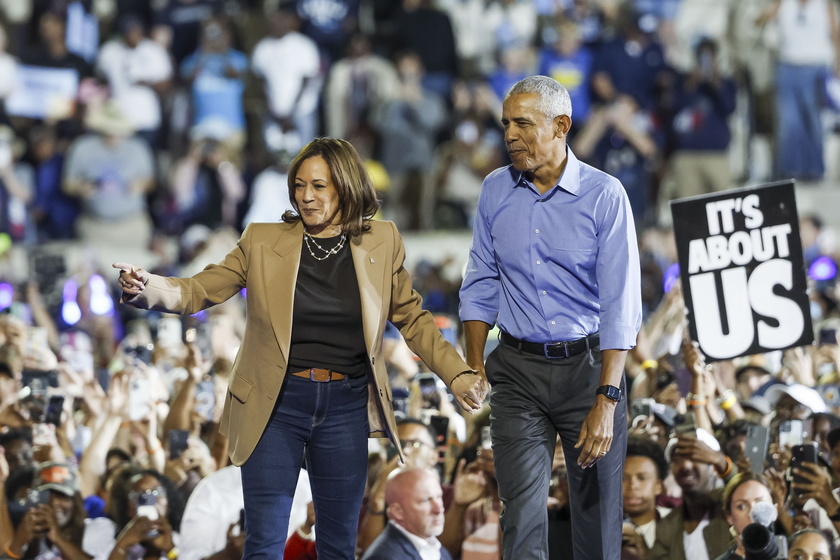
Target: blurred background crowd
x,y
154,131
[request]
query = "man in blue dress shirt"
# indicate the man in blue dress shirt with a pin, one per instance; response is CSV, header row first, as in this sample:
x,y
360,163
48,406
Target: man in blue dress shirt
x,y
554,262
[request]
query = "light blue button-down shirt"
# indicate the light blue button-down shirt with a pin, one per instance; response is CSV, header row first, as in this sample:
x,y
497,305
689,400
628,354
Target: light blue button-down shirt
x,y
555,266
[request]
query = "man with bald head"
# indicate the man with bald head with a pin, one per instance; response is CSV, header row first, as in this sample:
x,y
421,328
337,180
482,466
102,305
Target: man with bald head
x,y
414,504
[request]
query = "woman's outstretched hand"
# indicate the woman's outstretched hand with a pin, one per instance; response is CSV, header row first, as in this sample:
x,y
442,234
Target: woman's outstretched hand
x,y
132,278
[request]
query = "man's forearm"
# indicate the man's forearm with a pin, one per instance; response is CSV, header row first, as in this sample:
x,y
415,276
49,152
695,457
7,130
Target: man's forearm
x,y
612,366
475,335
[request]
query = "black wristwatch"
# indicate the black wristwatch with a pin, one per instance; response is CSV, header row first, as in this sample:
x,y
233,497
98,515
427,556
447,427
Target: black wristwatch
x,y
611,392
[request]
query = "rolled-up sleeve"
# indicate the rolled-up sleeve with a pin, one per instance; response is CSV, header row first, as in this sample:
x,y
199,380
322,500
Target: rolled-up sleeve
x,y
479,294
618,274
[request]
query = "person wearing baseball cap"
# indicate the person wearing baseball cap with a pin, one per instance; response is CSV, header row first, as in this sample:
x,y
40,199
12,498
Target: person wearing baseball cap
x,y
55,517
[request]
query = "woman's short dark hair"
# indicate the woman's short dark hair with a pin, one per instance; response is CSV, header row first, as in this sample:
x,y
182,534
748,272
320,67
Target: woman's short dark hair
x,y
357,201
735,482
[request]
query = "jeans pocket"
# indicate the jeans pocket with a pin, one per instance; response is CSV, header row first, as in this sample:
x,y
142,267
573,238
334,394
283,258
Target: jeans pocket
x,y
356,384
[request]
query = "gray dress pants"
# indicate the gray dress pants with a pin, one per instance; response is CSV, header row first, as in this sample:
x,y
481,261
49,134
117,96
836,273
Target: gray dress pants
x,y
533,399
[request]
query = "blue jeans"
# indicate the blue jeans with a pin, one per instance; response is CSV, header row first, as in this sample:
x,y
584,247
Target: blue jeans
x,y
800,134
326,422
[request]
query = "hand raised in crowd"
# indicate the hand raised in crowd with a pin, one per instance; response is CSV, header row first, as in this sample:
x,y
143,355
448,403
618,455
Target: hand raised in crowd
x,y
694,360
470,483
117,402
33,525
781,456
777,484
817,487
698,452
132,278
140,528
469,390
798,367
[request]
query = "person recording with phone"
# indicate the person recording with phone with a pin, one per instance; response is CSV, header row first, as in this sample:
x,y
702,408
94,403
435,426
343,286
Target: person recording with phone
x,y
53,524
698,521
309,380
813,501
146,511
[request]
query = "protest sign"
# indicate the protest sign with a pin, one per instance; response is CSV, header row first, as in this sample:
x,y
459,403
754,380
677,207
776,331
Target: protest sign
x,y
742,270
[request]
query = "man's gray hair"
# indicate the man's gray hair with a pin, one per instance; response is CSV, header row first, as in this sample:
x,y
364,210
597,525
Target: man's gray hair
x,y
553,100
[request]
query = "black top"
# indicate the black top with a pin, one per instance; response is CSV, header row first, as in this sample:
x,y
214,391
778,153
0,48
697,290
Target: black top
x,y
327,319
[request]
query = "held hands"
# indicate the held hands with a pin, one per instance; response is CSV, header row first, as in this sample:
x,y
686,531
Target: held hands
x,y
469,389
132,278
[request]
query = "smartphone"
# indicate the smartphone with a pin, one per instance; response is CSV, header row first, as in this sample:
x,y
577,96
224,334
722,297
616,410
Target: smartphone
x,y
828,336
756,445
43,434
55,406
687,426
440,427
428,389
803,453
147,507
486,437
38,381
205,399
242,520
640,407
37,340
178,440
169,332
37,497
139,399
791,433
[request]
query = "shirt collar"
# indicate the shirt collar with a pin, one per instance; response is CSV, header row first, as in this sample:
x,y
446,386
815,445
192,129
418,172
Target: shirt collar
x,y
428,548
569,181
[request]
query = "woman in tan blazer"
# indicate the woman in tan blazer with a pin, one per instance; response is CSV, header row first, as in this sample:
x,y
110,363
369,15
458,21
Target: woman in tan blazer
x,y
309,380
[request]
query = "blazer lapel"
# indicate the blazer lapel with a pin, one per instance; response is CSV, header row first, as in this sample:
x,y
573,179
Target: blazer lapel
x,y
279,281
369,258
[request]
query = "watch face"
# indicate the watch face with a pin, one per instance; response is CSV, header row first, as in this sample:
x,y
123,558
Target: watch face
x,y
610,392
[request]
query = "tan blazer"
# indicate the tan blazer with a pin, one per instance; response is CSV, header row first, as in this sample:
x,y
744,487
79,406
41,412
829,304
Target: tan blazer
x,y
265,262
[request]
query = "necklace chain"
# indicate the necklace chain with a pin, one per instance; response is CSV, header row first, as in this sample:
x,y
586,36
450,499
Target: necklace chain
x,y
327,253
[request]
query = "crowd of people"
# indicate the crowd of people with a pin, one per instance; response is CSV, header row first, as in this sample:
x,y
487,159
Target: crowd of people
x,y
155,132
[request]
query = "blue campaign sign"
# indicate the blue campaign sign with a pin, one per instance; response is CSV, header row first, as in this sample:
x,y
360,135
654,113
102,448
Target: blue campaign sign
x,y
742,270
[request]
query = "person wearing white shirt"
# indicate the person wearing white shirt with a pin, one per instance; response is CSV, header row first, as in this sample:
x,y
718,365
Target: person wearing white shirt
x,y
289,64
137,70
214,507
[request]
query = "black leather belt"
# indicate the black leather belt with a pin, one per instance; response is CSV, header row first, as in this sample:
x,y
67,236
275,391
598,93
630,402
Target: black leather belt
x,y
555,350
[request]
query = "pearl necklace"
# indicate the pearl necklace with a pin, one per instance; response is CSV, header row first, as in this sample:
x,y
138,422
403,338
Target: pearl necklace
x,y
328,253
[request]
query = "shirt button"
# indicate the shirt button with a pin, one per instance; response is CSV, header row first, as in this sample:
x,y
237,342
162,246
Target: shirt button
x,y
539,262
543,292
536,231
553,323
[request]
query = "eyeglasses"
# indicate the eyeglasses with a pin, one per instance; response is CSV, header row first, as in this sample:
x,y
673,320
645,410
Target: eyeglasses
x,y
413,443
144,495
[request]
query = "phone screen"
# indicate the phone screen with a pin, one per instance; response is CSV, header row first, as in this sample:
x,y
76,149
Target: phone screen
x,y
687,426
139,399
828,336
791,432
178,441
54,408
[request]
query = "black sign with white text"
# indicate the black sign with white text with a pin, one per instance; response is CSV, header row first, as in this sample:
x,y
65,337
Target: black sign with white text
x,y
742,271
